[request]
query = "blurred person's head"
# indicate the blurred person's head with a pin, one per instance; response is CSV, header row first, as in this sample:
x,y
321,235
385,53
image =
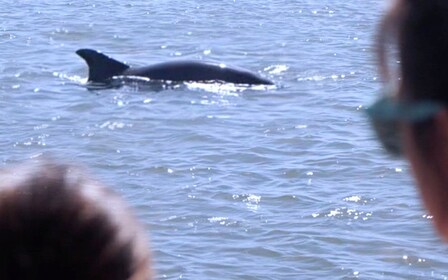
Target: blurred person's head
x,y
57,223
411,118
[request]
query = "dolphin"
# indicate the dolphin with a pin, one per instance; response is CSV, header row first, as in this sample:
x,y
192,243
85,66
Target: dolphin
x,y
103,68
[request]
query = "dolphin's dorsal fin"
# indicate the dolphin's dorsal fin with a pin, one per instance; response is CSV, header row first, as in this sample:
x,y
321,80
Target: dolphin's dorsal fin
x,y
101,67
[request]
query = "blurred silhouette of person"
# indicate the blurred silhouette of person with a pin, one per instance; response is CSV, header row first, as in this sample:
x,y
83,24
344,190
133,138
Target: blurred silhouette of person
x,y
411,118
57,223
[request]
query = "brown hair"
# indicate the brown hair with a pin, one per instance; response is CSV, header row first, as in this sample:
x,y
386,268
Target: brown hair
x,y
420,30
56,223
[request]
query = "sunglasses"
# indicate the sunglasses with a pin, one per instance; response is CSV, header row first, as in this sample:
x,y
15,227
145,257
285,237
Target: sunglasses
x,y
387,113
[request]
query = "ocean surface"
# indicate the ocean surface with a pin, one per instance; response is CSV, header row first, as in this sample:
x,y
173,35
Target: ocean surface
x,y
230,182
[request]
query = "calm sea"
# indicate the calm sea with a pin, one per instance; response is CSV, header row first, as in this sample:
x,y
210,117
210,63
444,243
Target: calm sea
x,y
230,182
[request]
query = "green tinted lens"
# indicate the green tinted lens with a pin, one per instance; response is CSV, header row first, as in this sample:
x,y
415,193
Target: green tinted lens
x,y
387,108
388,134
386,115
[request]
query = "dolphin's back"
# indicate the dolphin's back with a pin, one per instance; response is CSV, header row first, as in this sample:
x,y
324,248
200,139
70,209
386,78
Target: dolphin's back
x,y
197,71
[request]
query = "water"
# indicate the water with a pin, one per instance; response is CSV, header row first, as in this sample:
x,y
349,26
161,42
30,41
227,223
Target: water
x,y
231,183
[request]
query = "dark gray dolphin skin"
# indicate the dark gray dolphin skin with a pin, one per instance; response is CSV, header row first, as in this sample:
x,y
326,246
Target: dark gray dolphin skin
x,y
102,68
